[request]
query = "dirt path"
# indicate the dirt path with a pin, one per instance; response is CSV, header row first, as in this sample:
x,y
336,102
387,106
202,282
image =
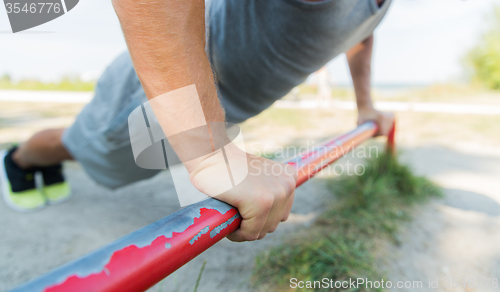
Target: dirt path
x,y
454,240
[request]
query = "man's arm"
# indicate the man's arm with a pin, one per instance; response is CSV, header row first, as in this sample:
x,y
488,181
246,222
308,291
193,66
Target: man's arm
x,y
166,40
359,58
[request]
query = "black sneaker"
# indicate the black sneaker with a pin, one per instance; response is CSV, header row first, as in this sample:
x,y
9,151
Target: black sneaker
x,y
19,189
55,187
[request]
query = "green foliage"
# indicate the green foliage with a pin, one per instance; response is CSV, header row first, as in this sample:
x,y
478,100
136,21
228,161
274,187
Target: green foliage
x,y
311,257
5,79
199,276
340,245
485,57
66,84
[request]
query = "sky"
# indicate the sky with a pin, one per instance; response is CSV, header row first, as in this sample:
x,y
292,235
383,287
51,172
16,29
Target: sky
x,y
418,42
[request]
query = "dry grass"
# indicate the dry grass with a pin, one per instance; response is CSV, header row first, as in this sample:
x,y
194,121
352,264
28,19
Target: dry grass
x,y
19,120
341,244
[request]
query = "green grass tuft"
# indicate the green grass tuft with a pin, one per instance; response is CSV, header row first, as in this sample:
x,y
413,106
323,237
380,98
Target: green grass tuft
x,y
65,84
341,243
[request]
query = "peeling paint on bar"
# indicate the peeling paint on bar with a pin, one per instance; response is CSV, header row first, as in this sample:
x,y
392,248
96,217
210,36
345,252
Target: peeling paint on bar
x,y
224,225
203,231
96,262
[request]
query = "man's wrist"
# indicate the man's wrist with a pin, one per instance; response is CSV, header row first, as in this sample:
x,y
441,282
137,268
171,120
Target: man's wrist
x,y
365,106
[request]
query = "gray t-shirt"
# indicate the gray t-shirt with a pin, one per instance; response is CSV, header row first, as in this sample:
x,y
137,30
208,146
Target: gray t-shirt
x,y
261,49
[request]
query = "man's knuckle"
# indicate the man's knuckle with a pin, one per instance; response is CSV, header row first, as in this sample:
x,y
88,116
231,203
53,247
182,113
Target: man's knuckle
x,y
266,203
281,194
251,236
291,173
289,184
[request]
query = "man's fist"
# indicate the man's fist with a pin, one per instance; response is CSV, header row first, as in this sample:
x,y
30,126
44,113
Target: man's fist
x,y
383,120
264,198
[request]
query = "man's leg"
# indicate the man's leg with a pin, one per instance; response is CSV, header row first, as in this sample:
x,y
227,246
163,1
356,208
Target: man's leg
x,y
98,139
42,149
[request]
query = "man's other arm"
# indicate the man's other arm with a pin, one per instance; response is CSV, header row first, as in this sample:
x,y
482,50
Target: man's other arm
x,y
359,59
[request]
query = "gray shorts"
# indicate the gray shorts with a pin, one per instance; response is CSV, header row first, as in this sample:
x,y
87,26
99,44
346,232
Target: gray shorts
x,y
259,51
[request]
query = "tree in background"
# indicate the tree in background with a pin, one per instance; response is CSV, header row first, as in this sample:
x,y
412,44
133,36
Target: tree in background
x,y
485,57
5,79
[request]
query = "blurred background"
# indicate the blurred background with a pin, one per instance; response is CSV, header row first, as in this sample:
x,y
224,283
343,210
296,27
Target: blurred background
x,y
419,43
436,64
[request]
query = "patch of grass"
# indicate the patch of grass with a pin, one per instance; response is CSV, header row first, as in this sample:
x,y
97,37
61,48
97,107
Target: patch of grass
x,y
199,276
65,84
341,243
284,117
337,92
307,89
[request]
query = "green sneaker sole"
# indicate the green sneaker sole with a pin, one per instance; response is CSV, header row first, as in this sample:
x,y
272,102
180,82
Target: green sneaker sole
x,y
57,193
25,201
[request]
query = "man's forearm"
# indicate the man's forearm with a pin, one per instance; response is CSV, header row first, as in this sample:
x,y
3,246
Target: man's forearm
x,y
359,58
166,41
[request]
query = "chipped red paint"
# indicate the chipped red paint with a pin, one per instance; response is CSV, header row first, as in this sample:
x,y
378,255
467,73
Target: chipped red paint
x,y
137,269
